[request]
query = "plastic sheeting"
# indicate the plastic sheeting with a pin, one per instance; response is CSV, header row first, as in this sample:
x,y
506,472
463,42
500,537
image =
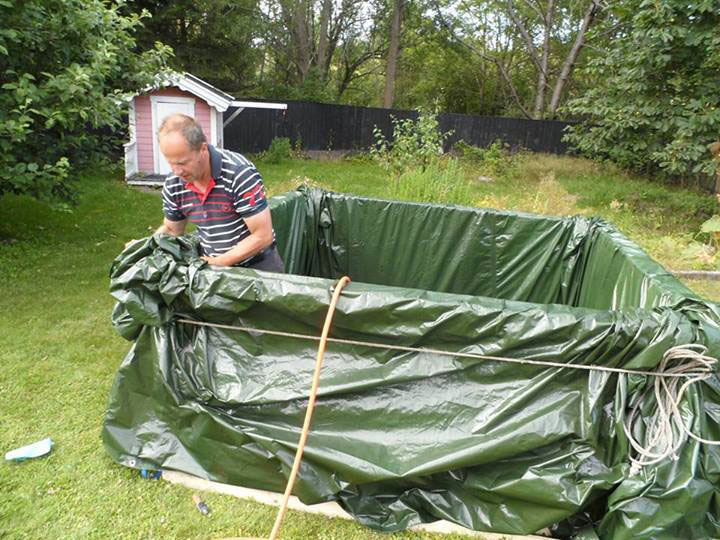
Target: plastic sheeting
x,y
399,437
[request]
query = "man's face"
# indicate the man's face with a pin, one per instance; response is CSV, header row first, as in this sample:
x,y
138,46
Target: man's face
x,y
190,165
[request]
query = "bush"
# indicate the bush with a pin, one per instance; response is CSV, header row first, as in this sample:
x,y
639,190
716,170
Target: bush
x,y
279,150
495,158
67,68
654,103
415,144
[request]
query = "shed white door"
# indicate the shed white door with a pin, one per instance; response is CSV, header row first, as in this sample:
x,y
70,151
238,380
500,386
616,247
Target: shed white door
x,y
163,106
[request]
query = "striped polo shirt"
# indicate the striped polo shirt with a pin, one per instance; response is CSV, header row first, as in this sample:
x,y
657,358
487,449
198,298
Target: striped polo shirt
x,y
236,192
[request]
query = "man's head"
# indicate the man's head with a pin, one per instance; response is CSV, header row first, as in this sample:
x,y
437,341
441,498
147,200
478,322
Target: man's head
x,y
185,148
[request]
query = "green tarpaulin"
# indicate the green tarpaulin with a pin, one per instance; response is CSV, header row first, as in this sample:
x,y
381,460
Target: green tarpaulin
x,y
401,437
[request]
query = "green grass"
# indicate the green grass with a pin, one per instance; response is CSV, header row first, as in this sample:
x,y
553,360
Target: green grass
x,y
59,353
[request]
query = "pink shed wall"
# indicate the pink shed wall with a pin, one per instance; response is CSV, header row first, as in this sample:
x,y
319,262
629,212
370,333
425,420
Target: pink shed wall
x,y
144,127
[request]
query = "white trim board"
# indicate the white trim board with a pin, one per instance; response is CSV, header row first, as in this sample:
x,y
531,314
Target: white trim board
x,y
213,126
329,509
258,105
187,84
242,105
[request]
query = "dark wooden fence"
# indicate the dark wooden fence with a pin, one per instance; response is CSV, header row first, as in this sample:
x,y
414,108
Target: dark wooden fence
x,y
318,126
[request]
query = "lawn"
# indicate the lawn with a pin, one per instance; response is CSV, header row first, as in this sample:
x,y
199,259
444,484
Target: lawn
x,y
59,352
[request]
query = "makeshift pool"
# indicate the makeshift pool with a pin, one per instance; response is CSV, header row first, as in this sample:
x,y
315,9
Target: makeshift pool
x,y
401,437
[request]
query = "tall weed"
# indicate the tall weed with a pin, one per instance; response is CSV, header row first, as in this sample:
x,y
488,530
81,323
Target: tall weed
x,y
440,182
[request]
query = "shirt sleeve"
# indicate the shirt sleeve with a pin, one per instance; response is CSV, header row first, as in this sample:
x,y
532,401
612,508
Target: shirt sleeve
x,y
170,207
249,192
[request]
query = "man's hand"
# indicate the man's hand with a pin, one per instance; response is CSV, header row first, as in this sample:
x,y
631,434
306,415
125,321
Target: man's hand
x,y
261,236
174,228
217,261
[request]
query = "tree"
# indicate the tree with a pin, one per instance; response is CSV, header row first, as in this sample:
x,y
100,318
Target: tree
x,y
66,67
393,51
654,103
312,33
212,39
546,35
436,72
317,48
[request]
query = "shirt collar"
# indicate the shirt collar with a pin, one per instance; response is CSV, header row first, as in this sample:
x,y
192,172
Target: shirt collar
x,y
215,162
202,194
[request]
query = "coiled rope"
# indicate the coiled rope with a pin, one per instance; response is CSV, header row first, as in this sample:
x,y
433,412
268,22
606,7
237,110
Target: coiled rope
x,y
694,365
691,362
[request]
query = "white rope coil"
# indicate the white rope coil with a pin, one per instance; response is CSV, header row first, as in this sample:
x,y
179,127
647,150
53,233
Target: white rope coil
x,y
680,367
666,431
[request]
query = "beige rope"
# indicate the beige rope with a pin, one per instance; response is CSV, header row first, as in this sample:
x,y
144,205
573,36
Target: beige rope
x,y
376,345
660,434
311,405
697,366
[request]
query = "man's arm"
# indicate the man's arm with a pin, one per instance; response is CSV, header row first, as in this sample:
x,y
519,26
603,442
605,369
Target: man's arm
x,y
175,228
261,236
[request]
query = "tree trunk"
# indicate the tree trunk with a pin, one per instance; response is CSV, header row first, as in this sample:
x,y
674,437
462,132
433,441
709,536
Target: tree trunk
x,y
543,68
392,56
572,57
297,15
323,61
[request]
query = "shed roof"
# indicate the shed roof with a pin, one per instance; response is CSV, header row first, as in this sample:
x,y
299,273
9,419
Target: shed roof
x,y
195,85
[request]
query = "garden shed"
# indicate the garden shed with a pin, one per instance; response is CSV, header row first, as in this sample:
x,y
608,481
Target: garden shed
x,y
176,93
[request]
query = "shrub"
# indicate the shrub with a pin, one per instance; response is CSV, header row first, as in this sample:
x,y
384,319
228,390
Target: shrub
x,y
653,105
495,158
278,151
67,68
415,144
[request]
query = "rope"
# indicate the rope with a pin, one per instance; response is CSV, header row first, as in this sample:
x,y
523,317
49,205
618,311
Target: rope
x,y
311,405
376,345
660,434
662,441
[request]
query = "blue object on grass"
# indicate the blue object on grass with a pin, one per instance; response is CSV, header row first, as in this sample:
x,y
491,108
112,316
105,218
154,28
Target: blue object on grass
x,y
30,451
149,473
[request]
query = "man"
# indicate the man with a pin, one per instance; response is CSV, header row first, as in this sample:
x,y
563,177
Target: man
x,y
222,193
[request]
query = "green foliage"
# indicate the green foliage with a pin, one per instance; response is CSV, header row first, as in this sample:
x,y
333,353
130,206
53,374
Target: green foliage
x,y
212,39
297,147
312,88
279,150
494,159
706,248
442,181
655,104
66,67
438,71
415,143
712,225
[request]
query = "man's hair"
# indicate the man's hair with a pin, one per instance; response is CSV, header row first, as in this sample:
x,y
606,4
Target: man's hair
x,y
186,126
